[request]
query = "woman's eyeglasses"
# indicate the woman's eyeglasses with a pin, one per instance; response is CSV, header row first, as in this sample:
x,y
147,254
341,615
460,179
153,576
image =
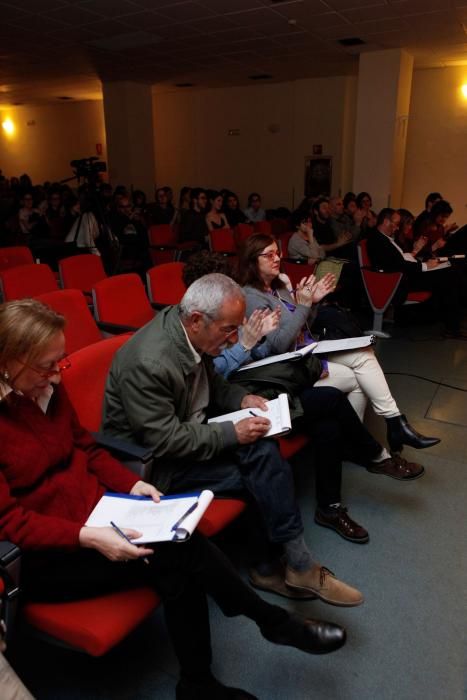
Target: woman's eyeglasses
x,y
60,367
271,255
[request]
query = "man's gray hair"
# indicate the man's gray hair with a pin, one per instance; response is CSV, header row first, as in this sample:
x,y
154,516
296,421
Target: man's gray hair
x,y
207,295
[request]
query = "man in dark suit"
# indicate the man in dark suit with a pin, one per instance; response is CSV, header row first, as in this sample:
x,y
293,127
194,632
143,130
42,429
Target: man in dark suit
x,y
386,255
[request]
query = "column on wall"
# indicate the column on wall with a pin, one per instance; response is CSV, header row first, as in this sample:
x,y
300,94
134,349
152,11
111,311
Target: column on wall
x,y
383,102
130,135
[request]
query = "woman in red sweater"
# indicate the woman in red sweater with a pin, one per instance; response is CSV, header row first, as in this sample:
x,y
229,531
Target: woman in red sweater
x,y
52,474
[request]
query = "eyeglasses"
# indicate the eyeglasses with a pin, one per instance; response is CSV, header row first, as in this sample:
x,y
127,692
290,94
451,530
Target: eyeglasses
x,y
271,255
60,366
226,331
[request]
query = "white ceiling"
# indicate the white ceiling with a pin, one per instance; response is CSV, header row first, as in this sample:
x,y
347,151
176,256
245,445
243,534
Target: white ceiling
x,y
54,48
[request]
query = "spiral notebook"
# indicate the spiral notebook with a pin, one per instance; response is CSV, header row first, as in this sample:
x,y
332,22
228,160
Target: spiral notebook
x,y
278,413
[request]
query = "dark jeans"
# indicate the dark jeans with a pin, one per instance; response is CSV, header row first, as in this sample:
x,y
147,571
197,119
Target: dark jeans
x,y
446,287
333,425
259,470
181,573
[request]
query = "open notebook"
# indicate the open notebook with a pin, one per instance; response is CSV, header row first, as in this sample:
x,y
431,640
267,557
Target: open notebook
x,y
174,518
320,348
278,413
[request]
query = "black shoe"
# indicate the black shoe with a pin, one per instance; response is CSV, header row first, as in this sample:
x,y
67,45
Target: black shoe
x,y
400,432
312,636
210,689
338,519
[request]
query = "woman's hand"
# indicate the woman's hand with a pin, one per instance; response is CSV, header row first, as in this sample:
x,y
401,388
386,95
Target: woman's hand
x,y
437,245
142,488
304,291
106,541
271,320
252,330
325,286
419,244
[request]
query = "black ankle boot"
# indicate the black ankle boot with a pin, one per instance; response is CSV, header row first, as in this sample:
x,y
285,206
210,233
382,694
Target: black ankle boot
x,y
400,432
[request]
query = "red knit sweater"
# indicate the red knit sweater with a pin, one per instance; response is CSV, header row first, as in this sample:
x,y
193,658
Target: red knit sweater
x,y
52,473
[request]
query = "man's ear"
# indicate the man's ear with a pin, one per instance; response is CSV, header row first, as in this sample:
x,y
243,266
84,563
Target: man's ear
x,y
196,321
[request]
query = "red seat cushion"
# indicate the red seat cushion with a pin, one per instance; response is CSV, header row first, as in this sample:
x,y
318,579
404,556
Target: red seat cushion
x,y
419,297
94,625
289,446
220,513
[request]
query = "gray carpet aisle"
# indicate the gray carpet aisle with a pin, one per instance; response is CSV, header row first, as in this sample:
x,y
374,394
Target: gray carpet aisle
x,y
407,641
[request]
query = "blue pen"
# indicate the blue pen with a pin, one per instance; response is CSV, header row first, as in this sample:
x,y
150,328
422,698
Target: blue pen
x,y
190,510
122,534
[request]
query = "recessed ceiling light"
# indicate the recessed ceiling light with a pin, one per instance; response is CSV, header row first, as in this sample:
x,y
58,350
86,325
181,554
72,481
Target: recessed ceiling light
x,y
64,97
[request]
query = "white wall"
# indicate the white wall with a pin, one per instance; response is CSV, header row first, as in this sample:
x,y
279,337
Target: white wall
x,y
278,123
436,155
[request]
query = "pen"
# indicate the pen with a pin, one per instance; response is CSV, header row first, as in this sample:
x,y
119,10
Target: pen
x,y
184,516
253,414
122,534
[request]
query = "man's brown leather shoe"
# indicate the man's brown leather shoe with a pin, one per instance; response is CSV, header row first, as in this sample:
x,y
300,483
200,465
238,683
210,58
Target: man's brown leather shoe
x,y
324,584
276,584
397,468
338,519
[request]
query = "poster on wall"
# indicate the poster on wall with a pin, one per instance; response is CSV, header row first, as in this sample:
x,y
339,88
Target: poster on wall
x,y
318,176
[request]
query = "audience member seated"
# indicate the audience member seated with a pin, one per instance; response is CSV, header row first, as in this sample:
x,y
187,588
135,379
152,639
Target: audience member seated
x,y
140,209
404,237
328,239
341,222
49,487
445,284
232,210
302,244
131,234
163,211
358,374
441,237
55,216
215,218
161,389
254,212
29,217
85,230
193,220
431,199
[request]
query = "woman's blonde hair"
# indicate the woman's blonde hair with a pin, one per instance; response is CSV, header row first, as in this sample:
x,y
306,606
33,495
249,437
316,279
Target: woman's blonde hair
x,y
26,327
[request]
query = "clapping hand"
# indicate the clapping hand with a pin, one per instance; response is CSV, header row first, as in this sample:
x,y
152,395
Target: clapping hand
x,y
325,286
419,244
304,291
261,322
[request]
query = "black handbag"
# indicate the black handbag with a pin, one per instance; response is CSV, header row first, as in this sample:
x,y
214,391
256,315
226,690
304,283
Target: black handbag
x,y
332,322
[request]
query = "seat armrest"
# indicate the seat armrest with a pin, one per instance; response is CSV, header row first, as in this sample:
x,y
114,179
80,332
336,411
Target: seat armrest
x,y
115,328
10,569
138,459
8,552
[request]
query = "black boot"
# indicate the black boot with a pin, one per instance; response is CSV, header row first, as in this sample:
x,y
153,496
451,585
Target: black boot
x,y
400,432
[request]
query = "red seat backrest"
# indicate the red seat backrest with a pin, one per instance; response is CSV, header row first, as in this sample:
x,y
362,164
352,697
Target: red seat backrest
x,y
165,283
222,241
363,256
296,271
122,299
85,379
80,328
15,255
162,235
81,272
27,281
263,227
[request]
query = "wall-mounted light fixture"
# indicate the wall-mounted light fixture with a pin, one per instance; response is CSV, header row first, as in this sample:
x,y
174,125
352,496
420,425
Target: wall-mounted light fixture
x,y
464,91
8,127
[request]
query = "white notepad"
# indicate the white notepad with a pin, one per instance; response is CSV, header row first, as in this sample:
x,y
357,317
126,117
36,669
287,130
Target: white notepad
x,y
278,413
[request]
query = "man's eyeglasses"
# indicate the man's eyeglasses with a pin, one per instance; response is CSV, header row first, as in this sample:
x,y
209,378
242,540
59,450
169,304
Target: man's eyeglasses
x,y
271,255
60,366
226,331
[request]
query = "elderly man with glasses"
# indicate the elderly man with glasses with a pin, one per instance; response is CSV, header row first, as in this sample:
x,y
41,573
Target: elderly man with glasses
x,y
160,391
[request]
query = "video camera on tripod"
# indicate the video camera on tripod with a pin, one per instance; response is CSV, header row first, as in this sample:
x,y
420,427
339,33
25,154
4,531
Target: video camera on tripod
x,y
88,168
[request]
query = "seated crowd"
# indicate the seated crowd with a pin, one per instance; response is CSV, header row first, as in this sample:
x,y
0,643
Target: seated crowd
x,y
182,368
